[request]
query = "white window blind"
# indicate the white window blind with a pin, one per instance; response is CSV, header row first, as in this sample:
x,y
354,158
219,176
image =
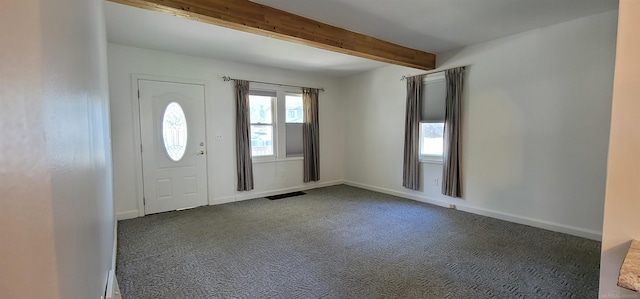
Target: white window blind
x,y
433,99
264,93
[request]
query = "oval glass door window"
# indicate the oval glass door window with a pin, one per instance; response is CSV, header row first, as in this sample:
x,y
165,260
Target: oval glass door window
x,y
174,131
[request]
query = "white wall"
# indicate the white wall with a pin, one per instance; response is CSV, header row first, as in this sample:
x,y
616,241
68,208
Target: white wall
x,y
269,178
536,126
57,216
621,221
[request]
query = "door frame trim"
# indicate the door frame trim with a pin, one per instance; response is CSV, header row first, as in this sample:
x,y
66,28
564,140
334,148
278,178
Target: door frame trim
x,y
135,107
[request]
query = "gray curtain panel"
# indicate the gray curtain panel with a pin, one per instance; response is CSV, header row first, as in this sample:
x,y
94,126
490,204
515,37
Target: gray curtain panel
x,y
452,155
311,135
244,162
411,164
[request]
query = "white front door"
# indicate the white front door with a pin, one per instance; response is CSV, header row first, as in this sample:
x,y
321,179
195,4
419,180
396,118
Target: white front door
x,y
174,161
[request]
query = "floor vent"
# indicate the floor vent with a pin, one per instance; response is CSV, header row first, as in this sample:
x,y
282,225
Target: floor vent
x,y
292,194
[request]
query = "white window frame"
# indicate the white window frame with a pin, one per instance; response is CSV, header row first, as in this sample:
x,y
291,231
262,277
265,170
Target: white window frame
x,y
279,111
274,142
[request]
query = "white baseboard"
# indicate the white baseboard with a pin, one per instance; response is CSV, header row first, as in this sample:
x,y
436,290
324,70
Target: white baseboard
x,y
113,290
399,194
222,200
242,196
307,186
254,195
127,215
567,229
325,184
539,223
548,225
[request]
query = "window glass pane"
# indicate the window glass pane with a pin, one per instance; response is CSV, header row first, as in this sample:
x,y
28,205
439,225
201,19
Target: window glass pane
x,y
174,131
260,109
432,139
294,112
261,140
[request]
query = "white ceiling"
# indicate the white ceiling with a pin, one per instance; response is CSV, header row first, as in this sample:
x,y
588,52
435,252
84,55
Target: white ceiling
x,y
428,25
147,29
440,25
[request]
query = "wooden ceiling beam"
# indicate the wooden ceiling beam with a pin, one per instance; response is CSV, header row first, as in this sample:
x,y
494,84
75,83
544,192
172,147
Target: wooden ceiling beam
x,y
259,19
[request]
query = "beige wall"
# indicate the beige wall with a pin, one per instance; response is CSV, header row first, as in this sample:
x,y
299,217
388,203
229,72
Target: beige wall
x,y
27,256
622,203
56,206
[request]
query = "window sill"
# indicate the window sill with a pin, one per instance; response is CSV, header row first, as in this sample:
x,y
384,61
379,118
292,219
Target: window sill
x,y
431,160
275,160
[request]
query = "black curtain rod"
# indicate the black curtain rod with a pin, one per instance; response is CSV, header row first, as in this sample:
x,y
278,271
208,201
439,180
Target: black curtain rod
x,y
429,73
227,78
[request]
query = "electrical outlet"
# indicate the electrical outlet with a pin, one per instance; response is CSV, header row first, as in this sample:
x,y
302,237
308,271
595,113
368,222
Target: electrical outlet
x,y
436,182
218,137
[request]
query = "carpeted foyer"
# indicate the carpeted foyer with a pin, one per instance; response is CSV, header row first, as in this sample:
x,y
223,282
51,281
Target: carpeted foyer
x,y
345,242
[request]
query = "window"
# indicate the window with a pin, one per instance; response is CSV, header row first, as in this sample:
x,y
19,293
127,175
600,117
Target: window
x,y
174,131
293,126
276,123
293,104
261,116
431,140
432,118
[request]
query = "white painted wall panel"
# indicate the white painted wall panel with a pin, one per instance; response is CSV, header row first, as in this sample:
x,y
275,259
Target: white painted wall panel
x,y
536,118
220,113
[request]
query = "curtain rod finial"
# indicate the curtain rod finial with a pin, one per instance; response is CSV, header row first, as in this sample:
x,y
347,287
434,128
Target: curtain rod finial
x,y
226,78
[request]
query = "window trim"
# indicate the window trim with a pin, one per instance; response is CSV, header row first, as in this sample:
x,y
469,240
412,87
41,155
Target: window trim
x,y
278,110
290,159
431,159
274,142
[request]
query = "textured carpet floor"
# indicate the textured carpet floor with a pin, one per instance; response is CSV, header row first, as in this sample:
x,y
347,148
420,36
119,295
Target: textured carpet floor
x,y
345,242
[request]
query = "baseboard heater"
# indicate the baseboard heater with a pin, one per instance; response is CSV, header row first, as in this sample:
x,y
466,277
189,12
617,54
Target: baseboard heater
x,y
280,196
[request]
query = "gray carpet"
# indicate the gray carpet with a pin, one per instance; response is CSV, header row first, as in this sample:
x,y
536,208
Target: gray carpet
x,y
345,242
